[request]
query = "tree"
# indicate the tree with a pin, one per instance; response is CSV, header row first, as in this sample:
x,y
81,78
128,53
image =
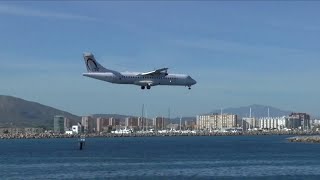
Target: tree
x,y
5,131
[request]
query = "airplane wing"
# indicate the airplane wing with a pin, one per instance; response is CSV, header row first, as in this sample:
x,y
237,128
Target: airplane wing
x,y
156,72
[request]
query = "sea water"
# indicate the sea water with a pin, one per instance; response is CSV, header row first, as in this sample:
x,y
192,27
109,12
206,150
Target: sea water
x,y
211,157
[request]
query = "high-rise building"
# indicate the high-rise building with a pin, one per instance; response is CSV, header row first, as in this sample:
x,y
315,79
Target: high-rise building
x,y
132,122
111,121
189,124
297,120
67,124
99,124
89,124
216,121
249,123
114,121
58,124
159,123
102,123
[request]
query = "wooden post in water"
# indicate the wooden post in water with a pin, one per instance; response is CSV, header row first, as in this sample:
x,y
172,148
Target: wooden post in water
x,y
82,141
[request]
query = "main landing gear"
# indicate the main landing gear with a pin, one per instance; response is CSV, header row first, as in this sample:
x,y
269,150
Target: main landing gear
x,y
189,87
143,87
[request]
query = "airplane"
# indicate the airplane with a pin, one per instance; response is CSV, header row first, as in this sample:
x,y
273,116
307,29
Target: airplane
x,y
144,79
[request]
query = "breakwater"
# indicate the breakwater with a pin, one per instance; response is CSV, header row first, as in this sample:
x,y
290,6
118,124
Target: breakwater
x,y
305,139
111,135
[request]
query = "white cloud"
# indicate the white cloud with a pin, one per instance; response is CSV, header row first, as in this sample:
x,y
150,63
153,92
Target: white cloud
x,y
20,11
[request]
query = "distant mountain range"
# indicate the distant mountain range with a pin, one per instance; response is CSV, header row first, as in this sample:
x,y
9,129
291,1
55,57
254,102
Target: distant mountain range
x,y
16,112
117,116
256,111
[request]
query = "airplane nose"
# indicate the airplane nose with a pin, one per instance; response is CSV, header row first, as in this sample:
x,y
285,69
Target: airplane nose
x,y
190,81
194,82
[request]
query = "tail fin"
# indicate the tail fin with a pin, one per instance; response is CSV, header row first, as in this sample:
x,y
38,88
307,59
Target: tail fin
x,y
92,64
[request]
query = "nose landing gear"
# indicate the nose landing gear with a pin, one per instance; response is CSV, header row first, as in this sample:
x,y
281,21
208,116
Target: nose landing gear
x,y
189,87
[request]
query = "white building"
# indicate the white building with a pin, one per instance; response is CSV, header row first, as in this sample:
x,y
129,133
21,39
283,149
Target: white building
x,y
76,129
282,123
69,132
216,121
316,122
273,123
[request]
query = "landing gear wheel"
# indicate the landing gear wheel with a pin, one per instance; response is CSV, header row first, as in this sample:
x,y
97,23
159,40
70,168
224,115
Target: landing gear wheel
x,y
189,88
148,87
142,87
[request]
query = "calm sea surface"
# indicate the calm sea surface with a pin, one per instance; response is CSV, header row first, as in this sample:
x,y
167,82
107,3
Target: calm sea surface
x,y
237,157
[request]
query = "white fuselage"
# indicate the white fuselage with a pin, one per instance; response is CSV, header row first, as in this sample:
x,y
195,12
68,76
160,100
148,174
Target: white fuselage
x,y
142,80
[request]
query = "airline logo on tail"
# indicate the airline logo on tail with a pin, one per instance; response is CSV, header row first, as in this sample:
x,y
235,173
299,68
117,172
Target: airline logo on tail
x,y
92,65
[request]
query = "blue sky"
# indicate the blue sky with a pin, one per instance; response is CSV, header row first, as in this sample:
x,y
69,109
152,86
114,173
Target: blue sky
x,y
240,53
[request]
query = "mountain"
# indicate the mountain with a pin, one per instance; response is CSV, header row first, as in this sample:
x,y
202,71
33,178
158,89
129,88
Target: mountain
x,y
256,111
117,116
16,112
177,119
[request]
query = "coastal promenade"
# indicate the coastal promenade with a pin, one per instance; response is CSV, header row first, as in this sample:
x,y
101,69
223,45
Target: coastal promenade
x,y
110,135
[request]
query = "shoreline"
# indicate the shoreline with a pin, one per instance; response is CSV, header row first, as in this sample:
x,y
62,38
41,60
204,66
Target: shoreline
x,y
305,139
298,135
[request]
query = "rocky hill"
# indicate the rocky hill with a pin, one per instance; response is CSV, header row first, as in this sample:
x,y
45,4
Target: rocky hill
x,y
16,112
